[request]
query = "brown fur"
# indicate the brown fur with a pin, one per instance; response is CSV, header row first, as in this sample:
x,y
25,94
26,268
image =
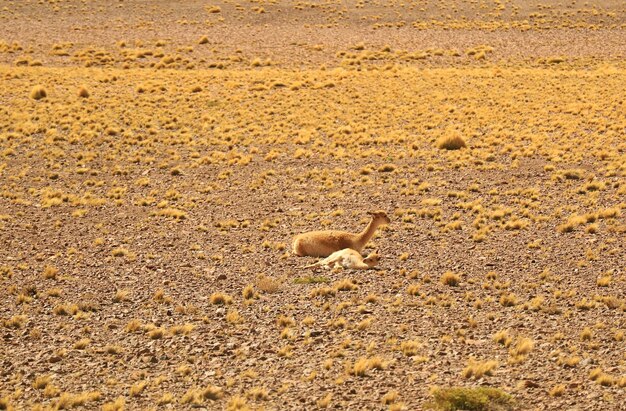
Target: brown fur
x,y
324,243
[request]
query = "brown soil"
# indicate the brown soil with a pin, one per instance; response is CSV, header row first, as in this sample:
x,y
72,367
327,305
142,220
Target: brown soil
x,y
184,173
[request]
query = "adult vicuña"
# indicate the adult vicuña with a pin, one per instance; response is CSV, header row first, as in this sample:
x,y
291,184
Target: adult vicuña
x,y
348,258
324,243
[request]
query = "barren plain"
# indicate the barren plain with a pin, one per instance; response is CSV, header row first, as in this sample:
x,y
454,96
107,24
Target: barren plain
x,y
157,158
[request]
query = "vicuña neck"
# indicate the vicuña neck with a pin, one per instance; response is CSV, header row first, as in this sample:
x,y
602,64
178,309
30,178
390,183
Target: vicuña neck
x,y
368,233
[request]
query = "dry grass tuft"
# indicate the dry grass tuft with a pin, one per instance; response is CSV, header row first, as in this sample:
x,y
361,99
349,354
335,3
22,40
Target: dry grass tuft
x,y
451,141
42,382
449,278
50,272
472,398
5,404
212,393
156,333
502,337
410,347
390,397
133,325
325,401
478,369
237,403
361,366
82,343
83,92
166,398
522,347
508,300
137,388
586,334
67,400
248,292
121,295
345,285
117,405
557,390
38,92
221,299
268,285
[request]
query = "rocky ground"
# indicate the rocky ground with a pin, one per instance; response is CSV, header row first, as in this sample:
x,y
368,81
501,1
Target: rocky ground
x,y
157,160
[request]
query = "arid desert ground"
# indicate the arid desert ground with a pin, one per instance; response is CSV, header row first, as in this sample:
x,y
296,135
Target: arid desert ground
x,y
157,159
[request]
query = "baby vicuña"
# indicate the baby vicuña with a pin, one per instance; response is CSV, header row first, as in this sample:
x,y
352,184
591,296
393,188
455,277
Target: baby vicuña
x,y
348,258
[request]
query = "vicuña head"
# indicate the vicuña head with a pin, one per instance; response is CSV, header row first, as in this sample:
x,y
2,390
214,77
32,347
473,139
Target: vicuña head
x,y
372,259
324,243
380,217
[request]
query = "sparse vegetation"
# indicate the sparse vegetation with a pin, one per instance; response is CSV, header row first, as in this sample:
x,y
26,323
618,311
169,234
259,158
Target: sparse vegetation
x,y
83,92
451,141
478,369
38,92
50,272
221,299
153,178
472,398
449,278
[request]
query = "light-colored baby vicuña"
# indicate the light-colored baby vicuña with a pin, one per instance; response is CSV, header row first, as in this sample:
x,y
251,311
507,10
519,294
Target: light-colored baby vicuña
x,y
348,258
324,243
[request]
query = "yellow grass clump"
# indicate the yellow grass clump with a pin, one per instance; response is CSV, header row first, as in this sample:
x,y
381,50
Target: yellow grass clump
x,y
50,272
451,141
221,299
450,278
38,92
477,369
83,92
